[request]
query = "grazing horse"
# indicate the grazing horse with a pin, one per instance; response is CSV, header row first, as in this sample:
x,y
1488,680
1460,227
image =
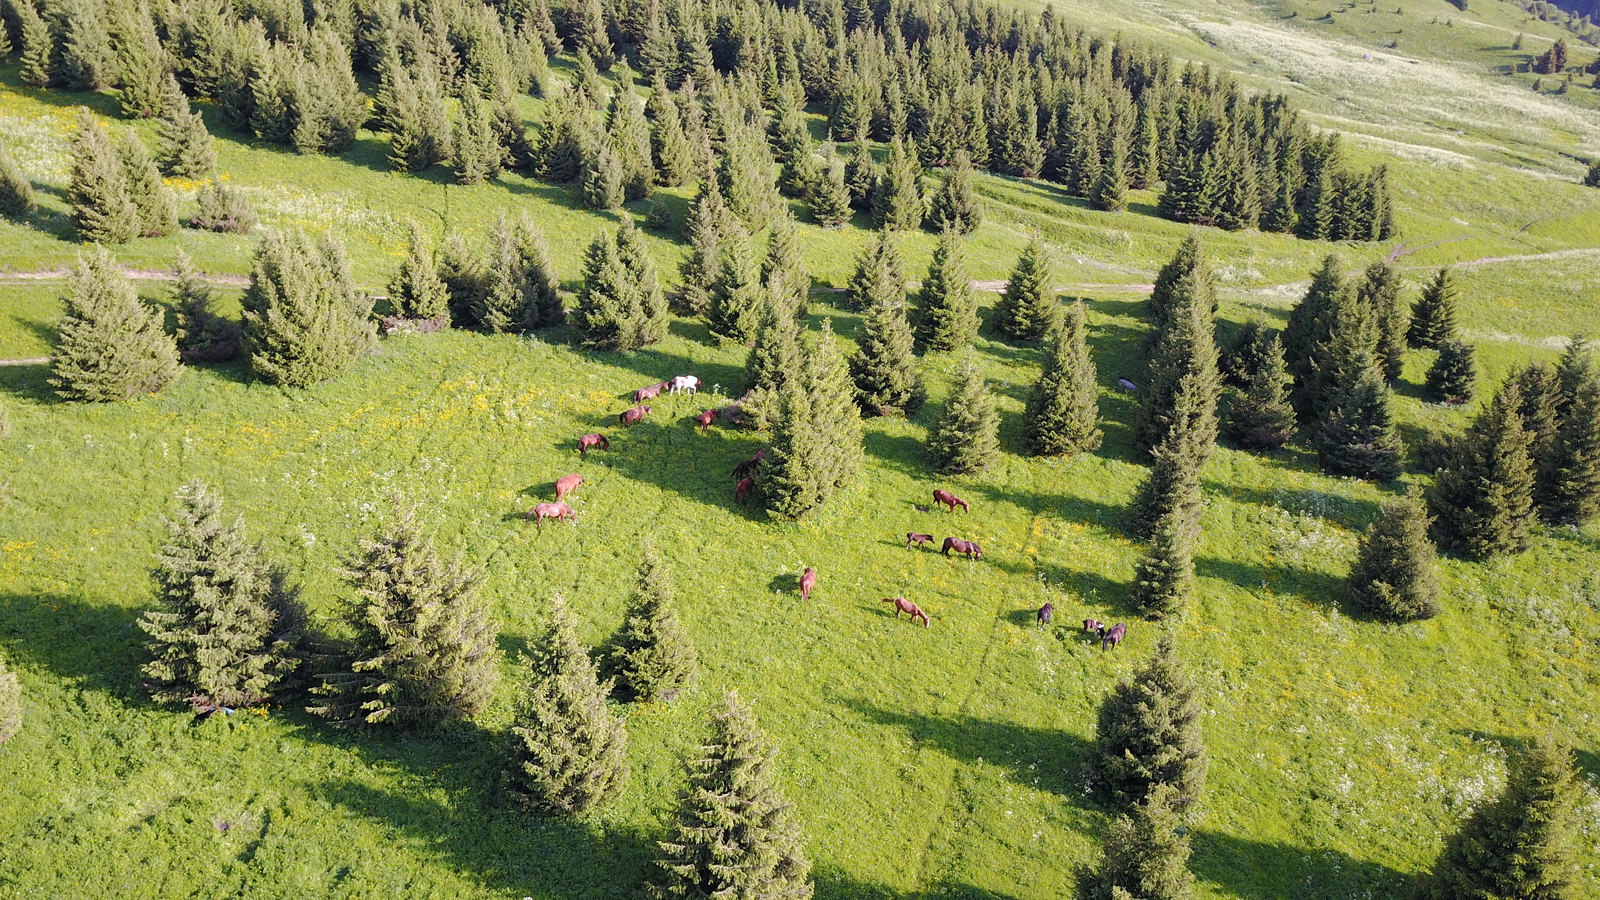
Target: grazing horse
x,y
807,582
919,539
1046,613
902,605
684,384
1113,637
592,440
742,490
631,417
969,548
558,511
747,466
950,500
705,419
649,392
566,484
1094,625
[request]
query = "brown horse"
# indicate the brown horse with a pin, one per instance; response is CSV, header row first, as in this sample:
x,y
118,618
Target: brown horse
x,y
566,484
950,500
741,491
1094,625
750,465
1046,613
902,605
589,441
807,582
969,549
919,539
631,417
558,511
1113,637
705,419
649,393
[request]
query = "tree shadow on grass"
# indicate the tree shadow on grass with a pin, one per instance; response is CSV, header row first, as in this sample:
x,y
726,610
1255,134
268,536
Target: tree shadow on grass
x,y
1316,588
1588,761
1255,870
833,884
100,647
900,452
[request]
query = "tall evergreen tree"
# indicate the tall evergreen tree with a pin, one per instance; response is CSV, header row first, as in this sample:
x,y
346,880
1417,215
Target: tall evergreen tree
x,y
421,134
1145,855
110,345
37,43
1433,318
897,196
478,154
861,174
955,205
464,281
629,134
16,191
304,320
669,146
142,64
774,359
1379,292
966,437
783,271
1453,376
224,629
1309,338
651,324
101,199
1185,280
1260,417
1028,306
816,437
1482,502
947,306
154,204
1522,842
1164,578
829,198
707,227
1358,437
733,835
423,650
884,367
568,750
186,149
84,59
520,290
1183,361
416,292
737,296
1392,577
1568,485
1149,734
202,334
620,306
1111,190
652,655
1062,415
879,276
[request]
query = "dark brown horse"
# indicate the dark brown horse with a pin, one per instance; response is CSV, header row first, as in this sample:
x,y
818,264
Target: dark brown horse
x,y
948,499
705,419
558,511
902,605
807,582
631,417
742,490
919,539
968,548
566,484
649,393
589,441
1046,613
1113,637
747,466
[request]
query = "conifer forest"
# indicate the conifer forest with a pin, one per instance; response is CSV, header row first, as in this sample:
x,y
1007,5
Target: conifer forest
x,y
940,449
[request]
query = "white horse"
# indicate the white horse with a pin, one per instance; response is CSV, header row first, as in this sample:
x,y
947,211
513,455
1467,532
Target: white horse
x,y
685,384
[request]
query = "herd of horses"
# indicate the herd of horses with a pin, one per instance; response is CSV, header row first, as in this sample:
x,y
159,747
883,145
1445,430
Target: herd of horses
x,y
744,484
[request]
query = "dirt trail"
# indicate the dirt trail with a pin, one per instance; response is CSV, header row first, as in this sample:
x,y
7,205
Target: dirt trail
x,y
136,274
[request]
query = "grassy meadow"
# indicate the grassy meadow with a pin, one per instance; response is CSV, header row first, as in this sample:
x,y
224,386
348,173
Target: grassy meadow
x,y
942,763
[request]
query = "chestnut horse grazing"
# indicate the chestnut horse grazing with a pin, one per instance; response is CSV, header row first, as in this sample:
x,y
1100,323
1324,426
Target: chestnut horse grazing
x,y
705,419
566,484
902,605
1113,637
558,511
592,440
1046,613
807,582
744,468
919,539
631,417
969,548
649,393
950,500
743,488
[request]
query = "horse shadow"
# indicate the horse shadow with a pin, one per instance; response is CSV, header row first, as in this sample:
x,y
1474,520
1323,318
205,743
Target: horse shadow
x,y
784,583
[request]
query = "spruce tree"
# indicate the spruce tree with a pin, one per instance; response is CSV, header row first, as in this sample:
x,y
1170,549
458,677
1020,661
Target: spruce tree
x,y
947,306
669,146
1062,415
37,43
651,324
478,154
1028,306
103,207
1145,854
416,292
462,273
1521,843
774,359
1482,502
16,191
84,59
733,834
520,290
423,651
419,125
154,204
1568,485
1185,280
897,196
202,334
829,198
1149,734
1358,437
224,629
222,208
568,750
966,437
142,64
1260,417
1111,191
1453,376
1327,330
304,320
1183,362
955,205
1433,318
10,704
110,345
737,296
1392,577
745,173
652,655
861,174
707,226
816,437
1379,291
185,148
879,276
1164,578
783,271
884,367
629,136
610,312
601,176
